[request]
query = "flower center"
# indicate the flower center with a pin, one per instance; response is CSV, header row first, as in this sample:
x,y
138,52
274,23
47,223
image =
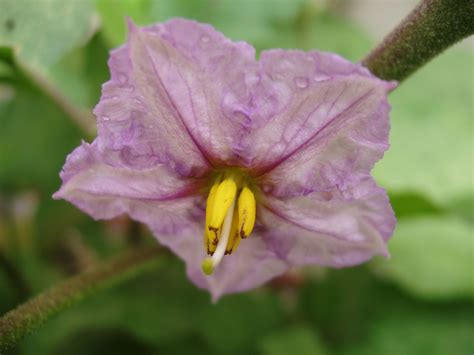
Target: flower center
x,y
228,219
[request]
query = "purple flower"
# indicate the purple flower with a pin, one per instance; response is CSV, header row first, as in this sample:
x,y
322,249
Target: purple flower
x,y
279,150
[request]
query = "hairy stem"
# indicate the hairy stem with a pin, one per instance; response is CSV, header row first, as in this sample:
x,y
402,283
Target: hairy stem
x,y
430,28
25,318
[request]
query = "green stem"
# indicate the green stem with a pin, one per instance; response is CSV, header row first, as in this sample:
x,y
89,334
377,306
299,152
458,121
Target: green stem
x,y
430,28
25,318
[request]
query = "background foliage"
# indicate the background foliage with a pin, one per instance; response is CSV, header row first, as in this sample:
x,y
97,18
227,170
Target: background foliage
x,y
418,302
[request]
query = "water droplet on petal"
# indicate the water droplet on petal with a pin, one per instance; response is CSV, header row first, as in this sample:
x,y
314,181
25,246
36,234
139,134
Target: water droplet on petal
x,y
277,76
301,82
241,117
251,79
105,118
205,39
122,78
321,77
309,58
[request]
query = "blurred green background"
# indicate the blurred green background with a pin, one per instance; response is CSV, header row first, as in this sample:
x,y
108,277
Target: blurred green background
x,y
418,302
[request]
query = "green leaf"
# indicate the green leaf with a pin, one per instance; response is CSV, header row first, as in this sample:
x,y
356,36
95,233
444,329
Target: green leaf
x,y
113,14
261,23
81,73
340,303
9,296
301,340
35,138
249,20
411,204
417,329
264,23
102,341
237,322
7,93
432,257
41,32
326,31
358,314
431,137
6,70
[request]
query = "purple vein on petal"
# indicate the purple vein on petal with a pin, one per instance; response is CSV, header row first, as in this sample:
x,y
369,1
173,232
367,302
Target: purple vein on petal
x,y
290,221
133,28
281,160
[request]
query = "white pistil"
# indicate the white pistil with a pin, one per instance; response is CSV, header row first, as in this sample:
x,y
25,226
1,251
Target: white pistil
x,y
220,250
210,263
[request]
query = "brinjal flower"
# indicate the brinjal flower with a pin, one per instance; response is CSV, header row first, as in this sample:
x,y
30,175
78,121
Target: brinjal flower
x,y
242,167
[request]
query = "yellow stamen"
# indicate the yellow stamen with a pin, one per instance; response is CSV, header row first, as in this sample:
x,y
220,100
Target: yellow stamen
x,y
210,238
225,196
234,237
228,219
247,208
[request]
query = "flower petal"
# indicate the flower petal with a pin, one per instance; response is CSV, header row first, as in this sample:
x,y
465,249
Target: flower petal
x,y
330,228
178,84
330,122
157,197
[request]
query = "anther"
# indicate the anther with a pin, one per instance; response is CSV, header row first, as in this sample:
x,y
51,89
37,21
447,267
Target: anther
x,y
210,263
247,212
